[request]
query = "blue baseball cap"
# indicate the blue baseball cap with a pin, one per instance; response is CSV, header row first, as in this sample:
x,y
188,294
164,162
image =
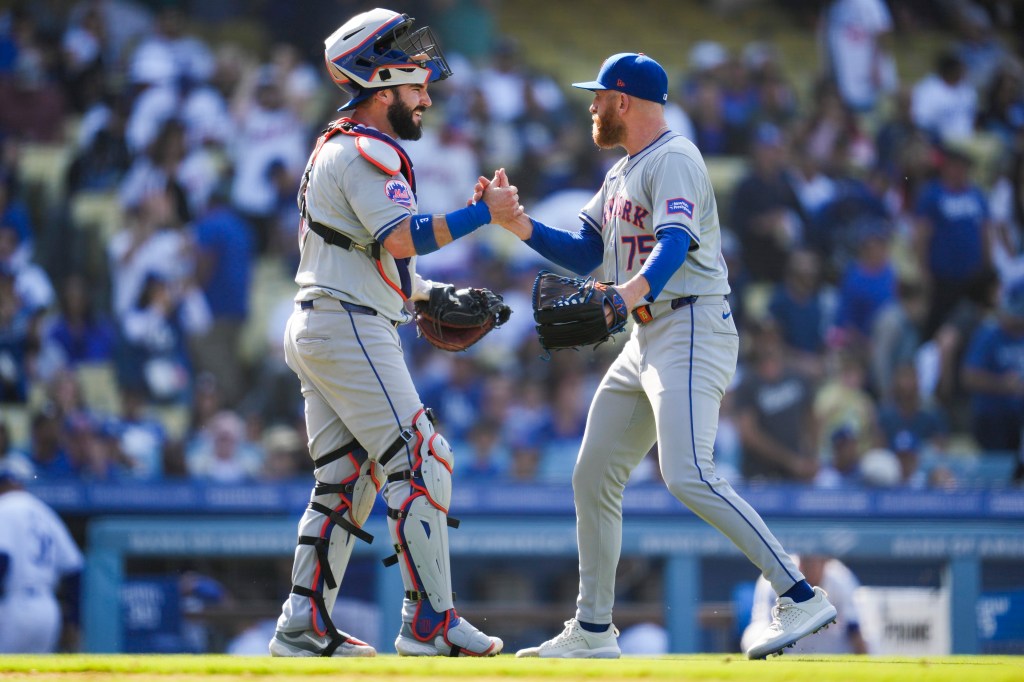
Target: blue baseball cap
x,y
632,73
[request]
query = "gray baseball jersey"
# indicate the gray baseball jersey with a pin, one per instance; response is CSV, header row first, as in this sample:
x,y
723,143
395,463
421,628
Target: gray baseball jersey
x,y
348,193
667,384
664,186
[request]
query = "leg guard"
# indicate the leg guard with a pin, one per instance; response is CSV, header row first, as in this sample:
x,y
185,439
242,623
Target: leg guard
x,y
347,485
418,502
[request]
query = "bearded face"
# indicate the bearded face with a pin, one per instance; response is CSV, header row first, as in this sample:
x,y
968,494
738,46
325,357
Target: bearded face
x,y
609,130
400,116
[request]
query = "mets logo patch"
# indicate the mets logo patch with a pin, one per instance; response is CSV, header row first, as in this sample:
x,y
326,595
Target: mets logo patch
x,y
680,205
399,192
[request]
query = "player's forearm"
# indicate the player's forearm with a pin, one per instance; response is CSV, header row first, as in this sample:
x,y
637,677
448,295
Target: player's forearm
x,y
422,234
579,251
635,291
666,258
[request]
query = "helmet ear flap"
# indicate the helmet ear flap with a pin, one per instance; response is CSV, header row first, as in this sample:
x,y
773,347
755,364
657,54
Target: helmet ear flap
x,y
337,75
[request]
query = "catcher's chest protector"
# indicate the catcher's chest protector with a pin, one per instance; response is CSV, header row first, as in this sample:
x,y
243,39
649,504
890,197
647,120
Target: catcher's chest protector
x,y
381,151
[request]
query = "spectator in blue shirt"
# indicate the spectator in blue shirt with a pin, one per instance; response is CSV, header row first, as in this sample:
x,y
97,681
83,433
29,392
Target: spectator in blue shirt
x,y
225,250
952,237
801,308
82,334
993,375
868,283
47,447
904,415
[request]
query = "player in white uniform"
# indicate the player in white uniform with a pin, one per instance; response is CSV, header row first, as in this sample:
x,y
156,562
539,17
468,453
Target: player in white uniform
x,y
367,428
38,556
653,228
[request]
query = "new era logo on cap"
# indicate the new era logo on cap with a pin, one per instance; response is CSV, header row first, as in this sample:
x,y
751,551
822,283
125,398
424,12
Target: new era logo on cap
x,y
632,73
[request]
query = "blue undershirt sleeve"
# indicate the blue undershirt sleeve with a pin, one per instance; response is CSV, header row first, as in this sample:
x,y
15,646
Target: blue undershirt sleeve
x,y
580,251
668,255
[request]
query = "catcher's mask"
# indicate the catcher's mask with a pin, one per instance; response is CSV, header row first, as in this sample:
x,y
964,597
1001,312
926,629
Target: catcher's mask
x,y
379,49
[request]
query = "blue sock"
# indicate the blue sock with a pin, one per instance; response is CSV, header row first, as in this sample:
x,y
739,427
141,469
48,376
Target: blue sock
x,y
593,627
799,592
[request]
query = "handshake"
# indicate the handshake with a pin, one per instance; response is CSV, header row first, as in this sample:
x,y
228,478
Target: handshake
x,y
502,200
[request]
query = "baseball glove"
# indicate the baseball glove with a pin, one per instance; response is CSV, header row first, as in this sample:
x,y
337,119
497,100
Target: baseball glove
x,y
570,311
456,319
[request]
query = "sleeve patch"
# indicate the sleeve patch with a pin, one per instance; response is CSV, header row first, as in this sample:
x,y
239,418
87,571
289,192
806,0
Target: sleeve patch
x,y
680,205
398,192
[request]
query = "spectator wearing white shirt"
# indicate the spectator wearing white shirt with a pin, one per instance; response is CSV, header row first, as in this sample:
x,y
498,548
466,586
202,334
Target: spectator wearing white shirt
x,y
856,35
944,103
267,133
151,243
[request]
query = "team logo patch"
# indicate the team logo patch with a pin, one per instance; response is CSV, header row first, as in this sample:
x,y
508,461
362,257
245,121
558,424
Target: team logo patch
x,y
680,205
399,192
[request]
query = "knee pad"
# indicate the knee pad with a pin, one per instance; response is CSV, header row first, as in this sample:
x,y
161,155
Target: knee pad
x,y
434,463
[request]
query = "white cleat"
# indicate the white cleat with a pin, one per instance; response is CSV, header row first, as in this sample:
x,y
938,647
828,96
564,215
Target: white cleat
x,y
307,643
792,621
575,642
461,639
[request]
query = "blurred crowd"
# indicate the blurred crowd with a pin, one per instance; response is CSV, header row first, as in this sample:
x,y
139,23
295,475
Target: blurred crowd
x,y
873,227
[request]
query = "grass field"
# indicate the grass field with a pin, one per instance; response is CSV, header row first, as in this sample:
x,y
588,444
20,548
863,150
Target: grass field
x,y
67,668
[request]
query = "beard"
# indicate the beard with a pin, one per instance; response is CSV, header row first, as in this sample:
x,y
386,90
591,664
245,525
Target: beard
x,y
400,118
609,130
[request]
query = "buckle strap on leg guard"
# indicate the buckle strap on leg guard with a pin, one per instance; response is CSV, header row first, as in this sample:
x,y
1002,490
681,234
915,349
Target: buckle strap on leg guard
x,y
335,455
320,545
404,437
342,522
393,559
416,595
339,488
399,514
332,632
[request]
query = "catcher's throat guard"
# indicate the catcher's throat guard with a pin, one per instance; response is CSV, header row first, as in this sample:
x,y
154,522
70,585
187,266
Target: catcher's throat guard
x,y
574,311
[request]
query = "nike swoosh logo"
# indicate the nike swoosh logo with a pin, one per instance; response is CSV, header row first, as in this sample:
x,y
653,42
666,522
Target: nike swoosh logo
x,y
725,316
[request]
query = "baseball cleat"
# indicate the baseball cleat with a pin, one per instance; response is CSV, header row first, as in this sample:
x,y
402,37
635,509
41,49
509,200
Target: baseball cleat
x,y
307,643
575,642
792,621
461,639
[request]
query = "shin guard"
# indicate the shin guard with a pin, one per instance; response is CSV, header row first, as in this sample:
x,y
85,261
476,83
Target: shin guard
x,y
347,485
418,501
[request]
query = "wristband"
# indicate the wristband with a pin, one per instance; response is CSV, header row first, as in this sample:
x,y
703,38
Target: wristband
x,y
421,228
465,220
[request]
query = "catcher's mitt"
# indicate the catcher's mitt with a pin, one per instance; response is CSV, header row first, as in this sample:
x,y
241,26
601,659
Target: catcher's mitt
x,y
456,319
570,311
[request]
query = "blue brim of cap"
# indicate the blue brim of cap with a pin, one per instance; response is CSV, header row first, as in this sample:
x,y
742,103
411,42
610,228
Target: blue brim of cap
x,y
590,85
356,100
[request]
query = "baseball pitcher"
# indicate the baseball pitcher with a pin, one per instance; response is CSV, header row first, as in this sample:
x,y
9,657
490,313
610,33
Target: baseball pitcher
x,y
653,230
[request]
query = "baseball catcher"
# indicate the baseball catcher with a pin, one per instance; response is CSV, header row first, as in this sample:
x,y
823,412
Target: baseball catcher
x,y
575,311
454,320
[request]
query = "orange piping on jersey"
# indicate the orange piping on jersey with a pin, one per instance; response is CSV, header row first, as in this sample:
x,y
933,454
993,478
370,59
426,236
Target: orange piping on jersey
x,y
398,289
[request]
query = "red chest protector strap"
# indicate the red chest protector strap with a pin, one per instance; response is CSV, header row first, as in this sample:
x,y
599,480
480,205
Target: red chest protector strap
x,y
347,126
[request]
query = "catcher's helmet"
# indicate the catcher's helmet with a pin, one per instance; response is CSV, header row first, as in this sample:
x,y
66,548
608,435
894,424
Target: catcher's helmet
x,y
379,49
